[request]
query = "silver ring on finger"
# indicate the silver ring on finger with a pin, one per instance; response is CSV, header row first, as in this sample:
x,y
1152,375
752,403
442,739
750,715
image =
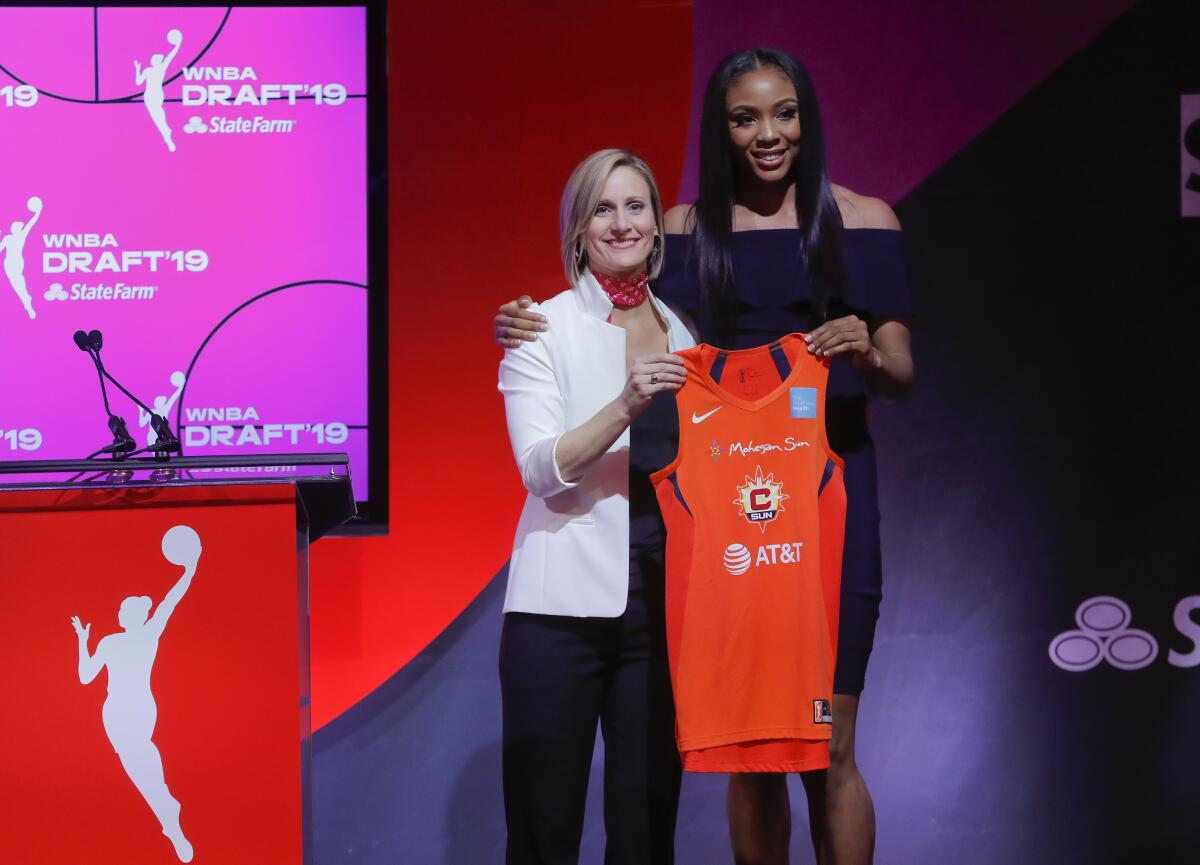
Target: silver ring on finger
x,y
653,378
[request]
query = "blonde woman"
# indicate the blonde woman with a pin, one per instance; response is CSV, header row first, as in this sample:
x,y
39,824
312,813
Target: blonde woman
x,y
584,638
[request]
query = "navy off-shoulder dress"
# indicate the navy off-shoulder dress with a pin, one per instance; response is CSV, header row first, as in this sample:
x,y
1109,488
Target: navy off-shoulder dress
x,y
775,298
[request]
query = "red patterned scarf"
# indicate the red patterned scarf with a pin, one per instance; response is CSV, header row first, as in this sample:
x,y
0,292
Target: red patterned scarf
x,y
625,293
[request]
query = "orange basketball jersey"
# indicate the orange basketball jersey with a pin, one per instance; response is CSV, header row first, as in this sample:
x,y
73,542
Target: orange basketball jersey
x,y
755,507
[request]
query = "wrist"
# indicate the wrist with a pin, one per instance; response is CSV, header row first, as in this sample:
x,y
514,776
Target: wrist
x,y
870,360
623,410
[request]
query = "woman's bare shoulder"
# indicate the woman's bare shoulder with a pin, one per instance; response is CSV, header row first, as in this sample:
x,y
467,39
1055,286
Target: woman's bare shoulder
x,y
862,211
680,219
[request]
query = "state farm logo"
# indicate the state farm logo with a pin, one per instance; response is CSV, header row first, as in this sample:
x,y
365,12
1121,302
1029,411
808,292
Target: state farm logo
x,y
1104,635
738,559
239,86
1189,156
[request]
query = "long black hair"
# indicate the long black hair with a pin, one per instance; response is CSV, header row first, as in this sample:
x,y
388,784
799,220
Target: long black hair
x,y
816,211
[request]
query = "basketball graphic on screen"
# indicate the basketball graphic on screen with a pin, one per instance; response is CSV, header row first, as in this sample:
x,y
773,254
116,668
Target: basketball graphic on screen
x,y
34,204
277,409
83,55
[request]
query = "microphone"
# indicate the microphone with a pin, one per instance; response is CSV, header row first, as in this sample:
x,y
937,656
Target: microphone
x,y
122,442
166,441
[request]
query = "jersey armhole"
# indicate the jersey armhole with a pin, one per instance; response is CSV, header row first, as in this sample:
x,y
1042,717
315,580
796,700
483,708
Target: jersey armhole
x,y
841,463
659,474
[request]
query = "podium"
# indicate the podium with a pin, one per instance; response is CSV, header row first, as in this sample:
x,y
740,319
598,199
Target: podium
x,y
154,639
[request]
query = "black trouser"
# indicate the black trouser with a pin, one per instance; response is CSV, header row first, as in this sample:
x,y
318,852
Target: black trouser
x,y
559,675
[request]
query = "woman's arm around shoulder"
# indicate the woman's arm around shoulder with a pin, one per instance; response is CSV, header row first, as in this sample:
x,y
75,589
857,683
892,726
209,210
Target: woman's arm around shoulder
x,y
535,410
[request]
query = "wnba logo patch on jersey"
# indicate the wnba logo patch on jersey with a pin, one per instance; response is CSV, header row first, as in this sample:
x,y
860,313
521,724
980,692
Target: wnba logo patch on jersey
x,y
822,712
760,499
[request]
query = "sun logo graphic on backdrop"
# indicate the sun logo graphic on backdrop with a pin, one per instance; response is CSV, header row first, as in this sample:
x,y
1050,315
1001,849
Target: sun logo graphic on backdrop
x,y
760,499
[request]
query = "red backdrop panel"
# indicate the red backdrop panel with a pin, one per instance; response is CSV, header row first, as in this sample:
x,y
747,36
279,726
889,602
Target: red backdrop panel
x,y
490,107
225,679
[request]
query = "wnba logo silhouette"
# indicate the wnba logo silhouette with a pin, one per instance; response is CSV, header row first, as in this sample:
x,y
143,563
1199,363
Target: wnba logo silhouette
x,y
129,712
13,246
153,77
162,405
1104,635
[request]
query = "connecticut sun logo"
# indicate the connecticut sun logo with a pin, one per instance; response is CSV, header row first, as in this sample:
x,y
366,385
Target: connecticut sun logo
x,y
760,499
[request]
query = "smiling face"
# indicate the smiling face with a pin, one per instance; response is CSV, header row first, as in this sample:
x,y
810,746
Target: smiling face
x,y
620,235
764,124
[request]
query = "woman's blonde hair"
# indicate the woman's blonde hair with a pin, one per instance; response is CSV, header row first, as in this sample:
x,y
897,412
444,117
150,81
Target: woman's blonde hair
x,y
579,200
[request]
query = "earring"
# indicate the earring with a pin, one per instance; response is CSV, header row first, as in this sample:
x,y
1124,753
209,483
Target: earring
x,y
579,253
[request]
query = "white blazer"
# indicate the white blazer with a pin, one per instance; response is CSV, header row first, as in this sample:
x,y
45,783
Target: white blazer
x,y
571,553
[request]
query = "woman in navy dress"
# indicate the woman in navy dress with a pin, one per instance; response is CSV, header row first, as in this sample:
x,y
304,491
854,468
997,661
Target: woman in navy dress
x,y
771,247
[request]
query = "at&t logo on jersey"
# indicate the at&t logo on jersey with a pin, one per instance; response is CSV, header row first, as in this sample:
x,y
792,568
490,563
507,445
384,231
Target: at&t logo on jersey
x,y
738,560
760,499
1104,635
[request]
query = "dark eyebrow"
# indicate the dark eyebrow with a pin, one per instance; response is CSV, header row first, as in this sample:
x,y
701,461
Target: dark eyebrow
x,y
749,109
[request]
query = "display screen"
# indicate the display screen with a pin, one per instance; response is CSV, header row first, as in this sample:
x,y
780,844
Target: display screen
x,y
193,183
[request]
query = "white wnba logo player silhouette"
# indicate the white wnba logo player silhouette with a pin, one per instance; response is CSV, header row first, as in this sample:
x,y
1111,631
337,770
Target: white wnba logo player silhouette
x,y
162,405
129,712
153,76
13,245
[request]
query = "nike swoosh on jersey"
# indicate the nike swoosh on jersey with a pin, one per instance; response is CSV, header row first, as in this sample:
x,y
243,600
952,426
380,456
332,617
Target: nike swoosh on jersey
x,y
696,419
